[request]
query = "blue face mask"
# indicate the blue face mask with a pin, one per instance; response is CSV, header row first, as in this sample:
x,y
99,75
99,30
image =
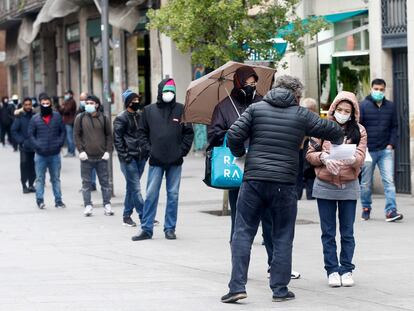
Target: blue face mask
x,y
67,97
377,95
90,108
82,103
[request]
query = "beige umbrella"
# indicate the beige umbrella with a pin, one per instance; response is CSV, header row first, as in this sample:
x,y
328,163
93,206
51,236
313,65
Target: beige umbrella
x,y
206,92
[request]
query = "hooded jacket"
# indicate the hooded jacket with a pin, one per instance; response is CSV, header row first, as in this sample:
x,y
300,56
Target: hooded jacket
x,y
68,111
276,128
162,131
348,172
381,123
224,114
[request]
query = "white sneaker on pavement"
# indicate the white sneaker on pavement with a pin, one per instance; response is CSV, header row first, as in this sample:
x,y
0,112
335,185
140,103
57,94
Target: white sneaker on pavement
x,y
347,279
334,280
88,210
294,275
108,210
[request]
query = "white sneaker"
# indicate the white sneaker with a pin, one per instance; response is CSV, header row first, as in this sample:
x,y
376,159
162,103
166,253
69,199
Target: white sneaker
x,y
108,210
347,279
294,275
88,210
334,280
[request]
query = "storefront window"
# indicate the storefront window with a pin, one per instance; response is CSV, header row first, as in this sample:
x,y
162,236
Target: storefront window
x,y
355,42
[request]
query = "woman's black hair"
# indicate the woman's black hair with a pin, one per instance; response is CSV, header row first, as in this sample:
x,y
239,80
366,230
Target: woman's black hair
x,y
352,132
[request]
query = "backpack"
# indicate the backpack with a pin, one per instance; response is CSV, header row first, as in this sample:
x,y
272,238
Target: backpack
x,y
81,122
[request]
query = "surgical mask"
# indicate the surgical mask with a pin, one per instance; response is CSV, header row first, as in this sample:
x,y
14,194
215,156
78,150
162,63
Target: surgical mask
x,y
67,97
90,108
167,97
82,103
377,95
341,118
45,110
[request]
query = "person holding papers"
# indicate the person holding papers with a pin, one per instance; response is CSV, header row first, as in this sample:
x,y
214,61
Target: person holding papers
x,y
336,187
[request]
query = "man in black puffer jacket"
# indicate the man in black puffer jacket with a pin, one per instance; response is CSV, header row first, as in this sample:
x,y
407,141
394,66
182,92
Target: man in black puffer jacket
x,y
275,128
170,140
132,154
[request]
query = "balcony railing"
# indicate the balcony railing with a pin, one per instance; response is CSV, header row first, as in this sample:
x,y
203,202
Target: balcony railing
x,y
394,23
15,8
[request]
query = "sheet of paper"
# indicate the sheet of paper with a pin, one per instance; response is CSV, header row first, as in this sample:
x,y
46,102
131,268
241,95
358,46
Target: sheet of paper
x,y
342,152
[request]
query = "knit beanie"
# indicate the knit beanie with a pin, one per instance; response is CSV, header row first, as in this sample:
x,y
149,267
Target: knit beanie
x,y
169,86
127,96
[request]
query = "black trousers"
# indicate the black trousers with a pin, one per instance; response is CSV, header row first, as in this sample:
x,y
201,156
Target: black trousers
x,y
27,168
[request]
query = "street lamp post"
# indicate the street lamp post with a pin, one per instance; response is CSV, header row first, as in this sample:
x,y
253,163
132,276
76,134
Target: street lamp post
x,y
106,96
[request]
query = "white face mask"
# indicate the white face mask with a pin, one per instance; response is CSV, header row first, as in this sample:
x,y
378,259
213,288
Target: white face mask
x,y
342,118
167,97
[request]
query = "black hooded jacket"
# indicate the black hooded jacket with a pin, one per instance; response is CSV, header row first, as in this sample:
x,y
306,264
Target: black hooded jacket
x,y
276,128
162,131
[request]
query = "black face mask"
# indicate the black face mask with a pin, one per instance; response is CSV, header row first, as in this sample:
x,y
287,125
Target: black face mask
x,y
248,92
136,106
45,111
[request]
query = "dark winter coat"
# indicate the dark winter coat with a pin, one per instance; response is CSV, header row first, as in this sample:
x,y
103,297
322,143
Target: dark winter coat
x,y
276,128
224,116
126,137
6,114
381,123
68,111
20,131
163,132
47,139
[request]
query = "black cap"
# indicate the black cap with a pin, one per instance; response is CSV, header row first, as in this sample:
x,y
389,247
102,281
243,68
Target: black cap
x,y
94,99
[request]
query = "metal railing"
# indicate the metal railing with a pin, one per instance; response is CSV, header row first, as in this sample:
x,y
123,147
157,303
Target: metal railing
x,y
394,16
11,8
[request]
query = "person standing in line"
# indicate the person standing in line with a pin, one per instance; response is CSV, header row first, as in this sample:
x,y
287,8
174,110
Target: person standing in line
x,y
275,128
306,176
132,154
93,139
47,136
337,189
19,131
169,140
68,112
379,117
6,120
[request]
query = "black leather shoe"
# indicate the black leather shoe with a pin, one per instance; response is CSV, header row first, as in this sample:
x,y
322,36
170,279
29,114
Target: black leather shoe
x,y
32,189
233,297
170,235
143,235
26,190
288,296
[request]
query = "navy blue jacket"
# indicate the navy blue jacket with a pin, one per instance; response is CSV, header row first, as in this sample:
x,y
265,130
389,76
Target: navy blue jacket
x,y
381,123
47,139
20,131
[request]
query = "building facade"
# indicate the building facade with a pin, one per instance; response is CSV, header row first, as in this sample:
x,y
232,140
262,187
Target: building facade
x,y
55,45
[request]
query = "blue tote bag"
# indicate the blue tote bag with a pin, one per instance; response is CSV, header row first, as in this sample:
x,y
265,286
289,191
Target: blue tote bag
x,y
225,174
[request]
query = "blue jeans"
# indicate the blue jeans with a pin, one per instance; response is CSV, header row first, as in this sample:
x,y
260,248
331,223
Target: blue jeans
x,y
385,161
254,198
69,138
53,164
346,215
100,167
133,197
173,177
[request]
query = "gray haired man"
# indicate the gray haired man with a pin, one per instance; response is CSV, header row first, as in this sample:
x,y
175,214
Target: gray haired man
x,y
275,128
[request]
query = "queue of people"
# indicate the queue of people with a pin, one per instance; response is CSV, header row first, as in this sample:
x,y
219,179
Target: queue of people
x,y
285,144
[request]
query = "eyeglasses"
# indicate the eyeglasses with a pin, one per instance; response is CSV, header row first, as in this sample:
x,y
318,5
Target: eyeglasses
x,y
251,84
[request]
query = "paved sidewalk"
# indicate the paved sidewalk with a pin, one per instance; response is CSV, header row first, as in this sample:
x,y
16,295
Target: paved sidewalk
x,y
59,260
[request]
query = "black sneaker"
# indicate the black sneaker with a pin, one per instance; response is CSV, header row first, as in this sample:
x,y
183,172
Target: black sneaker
x,y
26,190
365,213
233,297
129,222
288,296
143,235
41,205
170,235
393,216
32,189
156,223
60,205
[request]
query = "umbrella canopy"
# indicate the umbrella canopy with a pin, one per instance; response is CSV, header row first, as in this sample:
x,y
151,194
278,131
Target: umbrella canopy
x,y
206,92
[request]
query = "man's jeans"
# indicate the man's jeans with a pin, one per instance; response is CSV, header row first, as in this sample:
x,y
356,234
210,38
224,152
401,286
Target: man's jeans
x,y
69,138
254,197
53,164
173,177
385,161
346,215
101,167
133,197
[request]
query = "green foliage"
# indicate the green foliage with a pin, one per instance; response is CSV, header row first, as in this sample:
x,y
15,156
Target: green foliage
x,y
216,31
